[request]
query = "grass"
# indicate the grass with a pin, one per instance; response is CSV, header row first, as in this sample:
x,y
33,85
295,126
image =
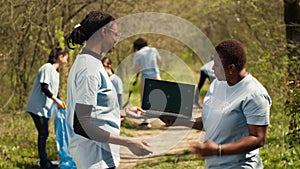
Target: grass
x,y
18,144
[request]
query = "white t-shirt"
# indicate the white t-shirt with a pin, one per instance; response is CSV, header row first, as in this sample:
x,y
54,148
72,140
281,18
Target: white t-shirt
x,y
147,58
38,103
89,84
226,112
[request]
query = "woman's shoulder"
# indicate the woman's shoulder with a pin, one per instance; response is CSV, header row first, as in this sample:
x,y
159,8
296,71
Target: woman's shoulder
x,y
255,88
46,66
254,84
115,77
87,66
153,49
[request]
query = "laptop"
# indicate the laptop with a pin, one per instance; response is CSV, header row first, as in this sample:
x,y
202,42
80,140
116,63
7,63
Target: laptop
x,y
166,99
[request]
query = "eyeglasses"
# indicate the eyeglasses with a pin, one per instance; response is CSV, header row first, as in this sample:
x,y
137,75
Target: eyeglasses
x,y
117,34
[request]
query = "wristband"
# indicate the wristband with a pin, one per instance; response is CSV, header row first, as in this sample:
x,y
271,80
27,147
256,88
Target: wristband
x,y
220,150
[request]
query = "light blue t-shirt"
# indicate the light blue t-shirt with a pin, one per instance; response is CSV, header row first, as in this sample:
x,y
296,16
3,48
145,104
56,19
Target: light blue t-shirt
x,y
38,103
88,83
226,112
207,69
147,58
118,84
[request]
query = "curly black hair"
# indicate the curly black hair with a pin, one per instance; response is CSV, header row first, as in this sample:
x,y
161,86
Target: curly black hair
x,y
232,52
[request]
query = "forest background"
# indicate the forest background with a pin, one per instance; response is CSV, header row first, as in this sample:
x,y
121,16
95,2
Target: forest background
x,y
30,28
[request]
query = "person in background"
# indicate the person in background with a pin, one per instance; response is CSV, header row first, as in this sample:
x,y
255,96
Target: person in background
x,y
115,79
43,94
206,72
146,60
235,114
61,138
93,114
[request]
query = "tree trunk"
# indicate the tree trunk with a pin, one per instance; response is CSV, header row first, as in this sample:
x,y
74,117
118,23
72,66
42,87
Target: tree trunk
x,y
292,21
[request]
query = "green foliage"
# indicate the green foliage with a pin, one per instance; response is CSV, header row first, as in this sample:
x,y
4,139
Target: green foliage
x,y
293,100
30,28
276,152
293,109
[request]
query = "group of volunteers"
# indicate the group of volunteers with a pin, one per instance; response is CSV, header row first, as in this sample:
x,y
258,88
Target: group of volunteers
x,y
235,110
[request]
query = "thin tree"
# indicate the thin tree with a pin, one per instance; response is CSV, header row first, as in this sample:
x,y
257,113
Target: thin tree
x,y
292,21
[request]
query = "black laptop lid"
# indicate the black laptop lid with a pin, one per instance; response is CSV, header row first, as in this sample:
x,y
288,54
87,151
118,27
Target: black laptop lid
x,y
168,96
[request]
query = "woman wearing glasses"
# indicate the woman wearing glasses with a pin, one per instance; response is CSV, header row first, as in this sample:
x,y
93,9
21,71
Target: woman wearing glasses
x,y
93,115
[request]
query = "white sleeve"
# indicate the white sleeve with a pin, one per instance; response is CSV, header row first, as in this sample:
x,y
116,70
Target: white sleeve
x,y
45,74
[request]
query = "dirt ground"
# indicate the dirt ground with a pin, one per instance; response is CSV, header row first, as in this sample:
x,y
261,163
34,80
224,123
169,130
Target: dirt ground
x,y
163,140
